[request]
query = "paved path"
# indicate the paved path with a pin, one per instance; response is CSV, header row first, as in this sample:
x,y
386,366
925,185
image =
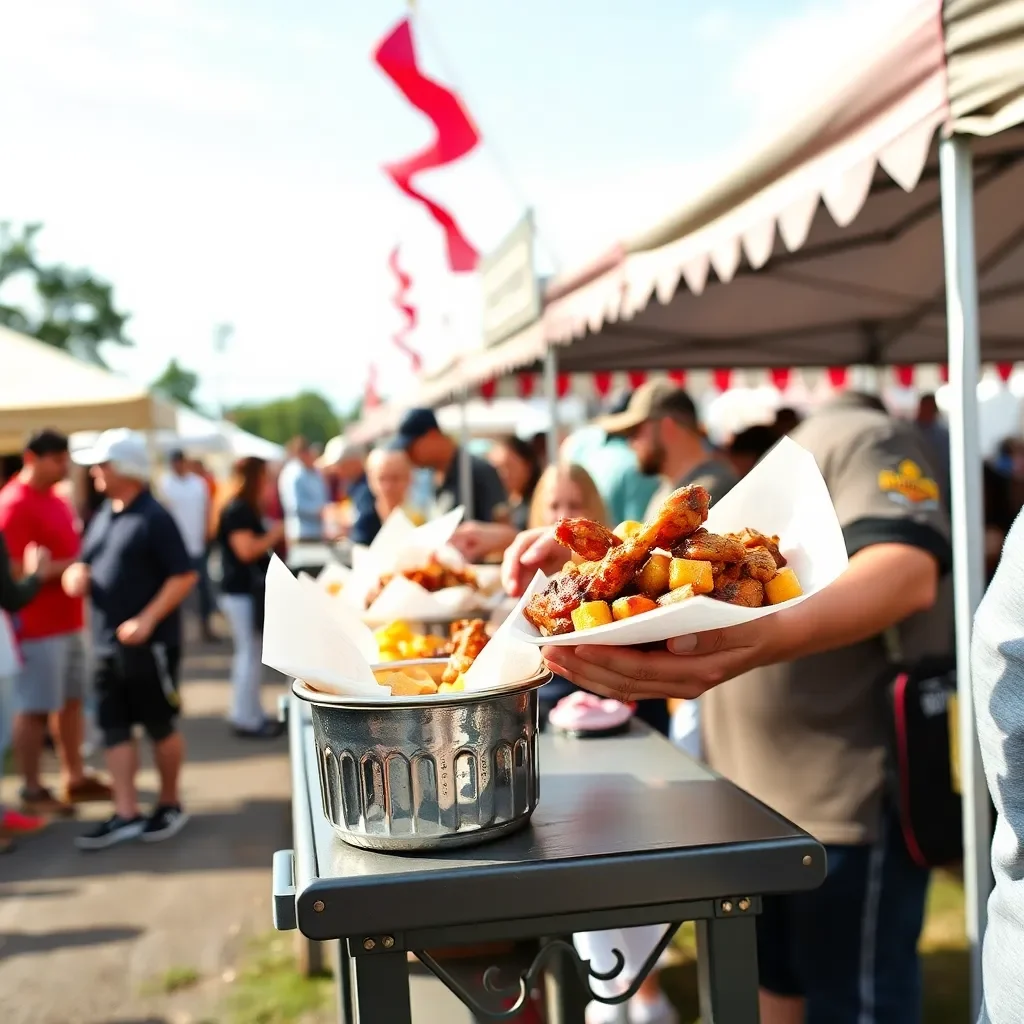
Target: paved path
x,y
83,936
92,938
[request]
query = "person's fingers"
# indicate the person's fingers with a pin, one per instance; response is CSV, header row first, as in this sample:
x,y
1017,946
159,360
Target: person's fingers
x,y
648,666
540,551
629,674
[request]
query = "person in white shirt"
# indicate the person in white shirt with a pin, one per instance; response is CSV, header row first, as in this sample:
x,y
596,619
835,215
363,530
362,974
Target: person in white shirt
x,y
186,496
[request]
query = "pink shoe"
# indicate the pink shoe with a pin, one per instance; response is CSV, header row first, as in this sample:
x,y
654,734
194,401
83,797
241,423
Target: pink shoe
x,y
583,714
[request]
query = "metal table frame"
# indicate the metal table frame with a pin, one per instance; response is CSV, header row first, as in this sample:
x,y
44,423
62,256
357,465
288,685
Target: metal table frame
x,y
372,962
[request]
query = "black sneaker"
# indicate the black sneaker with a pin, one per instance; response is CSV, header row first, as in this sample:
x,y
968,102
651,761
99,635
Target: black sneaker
x,y
166,820
269,729
111,832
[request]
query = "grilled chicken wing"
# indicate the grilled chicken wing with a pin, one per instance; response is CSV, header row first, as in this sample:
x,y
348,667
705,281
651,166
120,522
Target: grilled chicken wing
x,y
746,592
710,547
759,564
469,641
753,539
589,540
680,515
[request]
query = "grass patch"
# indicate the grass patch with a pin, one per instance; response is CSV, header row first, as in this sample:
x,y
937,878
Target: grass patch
x,y
268,988
172,980
944,959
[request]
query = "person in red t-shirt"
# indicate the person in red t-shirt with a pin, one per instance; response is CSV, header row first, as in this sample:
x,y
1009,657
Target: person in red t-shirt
x,y
50,631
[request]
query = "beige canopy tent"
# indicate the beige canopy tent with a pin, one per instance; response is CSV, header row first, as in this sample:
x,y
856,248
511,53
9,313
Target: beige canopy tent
x,y
829,236
44,386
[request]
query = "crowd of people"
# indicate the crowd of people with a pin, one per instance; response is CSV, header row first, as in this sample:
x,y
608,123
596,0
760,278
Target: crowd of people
x,y
93,585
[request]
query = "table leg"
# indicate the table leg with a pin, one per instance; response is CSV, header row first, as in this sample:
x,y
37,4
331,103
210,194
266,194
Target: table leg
x,y
566,999
727,970
380,989
343,981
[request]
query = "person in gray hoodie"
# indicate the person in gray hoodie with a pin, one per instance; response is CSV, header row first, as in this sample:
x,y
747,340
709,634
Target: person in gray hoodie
x,y
997,676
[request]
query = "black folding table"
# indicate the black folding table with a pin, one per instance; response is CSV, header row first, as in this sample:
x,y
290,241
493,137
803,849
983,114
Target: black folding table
x,y
629,831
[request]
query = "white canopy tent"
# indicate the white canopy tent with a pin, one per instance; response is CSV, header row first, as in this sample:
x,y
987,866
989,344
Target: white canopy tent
x,y
42,386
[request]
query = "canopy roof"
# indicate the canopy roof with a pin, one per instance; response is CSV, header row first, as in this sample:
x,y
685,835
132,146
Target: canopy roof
x,y
42,386
808,286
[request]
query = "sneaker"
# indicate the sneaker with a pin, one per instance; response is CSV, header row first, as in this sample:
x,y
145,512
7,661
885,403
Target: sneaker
x,y
268,730
42,801
13,824
91,790
166,820
111,832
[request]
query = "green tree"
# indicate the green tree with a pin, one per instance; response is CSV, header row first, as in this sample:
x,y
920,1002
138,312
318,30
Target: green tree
x,y
70,308
177,384
307,413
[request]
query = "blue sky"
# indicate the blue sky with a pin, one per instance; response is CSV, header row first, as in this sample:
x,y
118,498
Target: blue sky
x,y
219,159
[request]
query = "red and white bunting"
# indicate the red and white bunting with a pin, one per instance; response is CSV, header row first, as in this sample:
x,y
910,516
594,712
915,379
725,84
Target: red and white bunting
x,y
798,383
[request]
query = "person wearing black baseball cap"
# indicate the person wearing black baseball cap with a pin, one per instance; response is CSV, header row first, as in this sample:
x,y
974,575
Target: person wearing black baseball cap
x,y
420,437
661,424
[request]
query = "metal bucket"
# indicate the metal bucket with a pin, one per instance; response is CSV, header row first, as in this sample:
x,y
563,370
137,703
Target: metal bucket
x,y
424,773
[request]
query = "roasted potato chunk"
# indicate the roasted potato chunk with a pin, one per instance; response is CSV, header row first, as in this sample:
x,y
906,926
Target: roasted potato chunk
x,y
457,687
411,683
635,604
683,593
627,529
591,614
687,571
783,587
653,578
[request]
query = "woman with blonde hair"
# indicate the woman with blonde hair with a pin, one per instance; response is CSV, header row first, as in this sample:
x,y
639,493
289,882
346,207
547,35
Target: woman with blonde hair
x,y
245,544
565,491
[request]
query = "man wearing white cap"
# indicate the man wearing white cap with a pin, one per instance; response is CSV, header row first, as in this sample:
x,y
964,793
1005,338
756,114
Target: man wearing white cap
x,y
136,570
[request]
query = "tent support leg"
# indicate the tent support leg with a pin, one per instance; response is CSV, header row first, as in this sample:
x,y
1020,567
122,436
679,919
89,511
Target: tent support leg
x,y
551,393
465,459
957,189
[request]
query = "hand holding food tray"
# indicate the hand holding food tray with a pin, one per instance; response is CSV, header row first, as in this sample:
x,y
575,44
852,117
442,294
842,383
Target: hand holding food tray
x,y
411,573
772,541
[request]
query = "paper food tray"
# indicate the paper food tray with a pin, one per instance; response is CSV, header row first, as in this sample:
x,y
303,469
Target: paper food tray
x,y
784,495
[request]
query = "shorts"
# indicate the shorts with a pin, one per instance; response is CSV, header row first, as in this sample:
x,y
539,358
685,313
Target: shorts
x,y
53,672
849,948
137,686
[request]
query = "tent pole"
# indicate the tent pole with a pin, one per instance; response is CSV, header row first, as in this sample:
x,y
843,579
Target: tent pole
x,y
551,394
465,458
957,191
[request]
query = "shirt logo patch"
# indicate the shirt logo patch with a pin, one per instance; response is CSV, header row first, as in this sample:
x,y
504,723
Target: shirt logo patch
x,y
907,485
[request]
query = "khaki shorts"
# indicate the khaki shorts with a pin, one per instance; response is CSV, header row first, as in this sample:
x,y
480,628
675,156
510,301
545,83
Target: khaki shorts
x,y
54,671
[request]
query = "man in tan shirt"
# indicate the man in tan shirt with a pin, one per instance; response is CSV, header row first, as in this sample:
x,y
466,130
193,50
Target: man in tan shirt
x,y
802,727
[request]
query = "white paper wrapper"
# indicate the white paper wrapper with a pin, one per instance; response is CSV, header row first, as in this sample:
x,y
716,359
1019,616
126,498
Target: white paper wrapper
x,y
334,576
783,495
506,659
313,636
400,546
306,635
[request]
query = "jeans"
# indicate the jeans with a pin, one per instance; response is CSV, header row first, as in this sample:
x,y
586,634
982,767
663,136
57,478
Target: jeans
x,y
204,588
246,662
